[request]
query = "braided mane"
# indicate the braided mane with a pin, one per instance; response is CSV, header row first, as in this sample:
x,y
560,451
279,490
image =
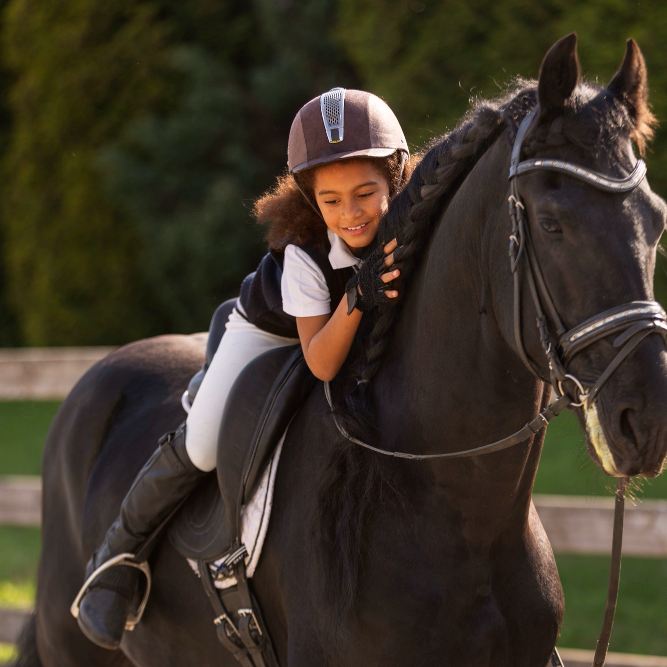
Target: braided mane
x,y
343,516
434,181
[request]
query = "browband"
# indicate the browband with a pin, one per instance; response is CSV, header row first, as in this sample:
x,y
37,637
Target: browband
x,y
607,183
600,181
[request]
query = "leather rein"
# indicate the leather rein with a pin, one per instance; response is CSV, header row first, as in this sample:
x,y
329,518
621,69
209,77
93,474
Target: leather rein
x,y
629,323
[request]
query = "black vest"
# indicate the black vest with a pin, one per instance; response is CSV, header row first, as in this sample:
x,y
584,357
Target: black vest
x,y
261,298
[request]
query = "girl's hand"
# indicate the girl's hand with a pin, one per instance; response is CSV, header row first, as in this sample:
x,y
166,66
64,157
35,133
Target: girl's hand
x,y
394,271
367,288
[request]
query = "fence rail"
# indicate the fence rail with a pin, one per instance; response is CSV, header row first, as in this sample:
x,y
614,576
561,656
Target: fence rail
x,y
575,524
576,658
44,373
11,622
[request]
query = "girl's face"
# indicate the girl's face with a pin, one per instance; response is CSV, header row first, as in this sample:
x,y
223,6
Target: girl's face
x,y
352,196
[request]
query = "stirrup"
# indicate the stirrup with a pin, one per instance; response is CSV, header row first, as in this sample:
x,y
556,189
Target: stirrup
x,y
126,559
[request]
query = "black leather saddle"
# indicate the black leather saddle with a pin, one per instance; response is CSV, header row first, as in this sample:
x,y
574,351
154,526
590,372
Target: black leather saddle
x,y
262,402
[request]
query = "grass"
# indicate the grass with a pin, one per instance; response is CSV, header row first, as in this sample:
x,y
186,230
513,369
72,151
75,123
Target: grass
x,y
24,427
567,469
19,547
641,620
640,625
7,653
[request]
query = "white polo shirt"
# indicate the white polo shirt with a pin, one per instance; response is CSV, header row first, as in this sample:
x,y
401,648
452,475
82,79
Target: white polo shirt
x,y
303,287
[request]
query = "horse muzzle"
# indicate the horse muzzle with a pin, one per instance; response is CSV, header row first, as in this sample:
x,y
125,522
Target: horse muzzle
x,y
626,425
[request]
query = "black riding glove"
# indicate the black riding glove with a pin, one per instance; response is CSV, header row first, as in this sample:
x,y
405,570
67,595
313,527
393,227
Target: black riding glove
x,y
365,289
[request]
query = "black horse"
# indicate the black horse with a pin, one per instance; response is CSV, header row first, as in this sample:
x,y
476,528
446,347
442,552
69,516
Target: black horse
x,y
372,560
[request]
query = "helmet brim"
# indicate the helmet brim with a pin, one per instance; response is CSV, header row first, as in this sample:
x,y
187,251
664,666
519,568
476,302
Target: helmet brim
x,y
367,152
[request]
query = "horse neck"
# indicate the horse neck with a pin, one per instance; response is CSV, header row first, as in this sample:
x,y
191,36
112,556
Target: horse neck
x,y
450,380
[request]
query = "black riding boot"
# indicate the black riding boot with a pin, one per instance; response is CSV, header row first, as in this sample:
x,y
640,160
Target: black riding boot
x,y
166,479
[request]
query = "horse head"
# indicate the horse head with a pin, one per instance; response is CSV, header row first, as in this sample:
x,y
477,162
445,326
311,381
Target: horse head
x,y
590,240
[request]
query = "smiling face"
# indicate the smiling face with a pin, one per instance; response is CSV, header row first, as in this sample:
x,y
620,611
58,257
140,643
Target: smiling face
x,y
352,196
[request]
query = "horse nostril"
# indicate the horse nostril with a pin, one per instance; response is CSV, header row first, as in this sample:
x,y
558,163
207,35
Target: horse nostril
x,y
627,419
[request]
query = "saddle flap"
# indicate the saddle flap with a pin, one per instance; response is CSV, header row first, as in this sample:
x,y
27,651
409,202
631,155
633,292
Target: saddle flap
x,y
262,402
201,528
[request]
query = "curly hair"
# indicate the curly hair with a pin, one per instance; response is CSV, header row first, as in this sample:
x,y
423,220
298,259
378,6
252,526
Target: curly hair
x,y
292,219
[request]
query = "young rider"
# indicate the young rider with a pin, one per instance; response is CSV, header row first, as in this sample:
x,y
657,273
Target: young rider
x,y
346,157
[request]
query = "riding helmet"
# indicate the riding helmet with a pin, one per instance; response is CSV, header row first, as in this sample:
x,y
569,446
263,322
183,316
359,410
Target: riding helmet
x,y
341,124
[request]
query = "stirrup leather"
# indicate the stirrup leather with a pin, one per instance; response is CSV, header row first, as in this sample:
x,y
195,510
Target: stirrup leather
x,y
125,559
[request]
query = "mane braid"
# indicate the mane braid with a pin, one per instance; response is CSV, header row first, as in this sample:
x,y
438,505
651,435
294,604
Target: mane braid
x,y
354,479
433,183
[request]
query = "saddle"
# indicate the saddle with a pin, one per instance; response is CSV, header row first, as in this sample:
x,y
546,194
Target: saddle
x,y
262,402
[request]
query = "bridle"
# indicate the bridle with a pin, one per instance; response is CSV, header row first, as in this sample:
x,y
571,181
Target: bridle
x,y
630,323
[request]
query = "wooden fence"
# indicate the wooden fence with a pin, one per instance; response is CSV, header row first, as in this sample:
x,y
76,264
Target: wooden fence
x,y
577,525
44,373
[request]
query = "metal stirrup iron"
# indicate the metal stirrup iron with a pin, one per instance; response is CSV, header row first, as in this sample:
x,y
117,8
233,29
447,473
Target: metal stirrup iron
x,y
121,560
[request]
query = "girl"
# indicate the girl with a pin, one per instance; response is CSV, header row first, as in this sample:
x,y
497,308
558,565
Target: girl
x,y
346,158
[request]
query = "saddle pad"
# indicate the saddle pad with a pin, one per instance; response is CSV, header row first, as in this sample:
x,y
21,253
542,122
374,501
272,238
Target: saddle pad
x,y
254,521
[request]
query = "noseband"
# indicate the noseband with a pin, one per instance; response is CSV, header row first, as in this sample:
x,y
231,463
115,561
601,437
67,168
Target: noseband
x,y
630,322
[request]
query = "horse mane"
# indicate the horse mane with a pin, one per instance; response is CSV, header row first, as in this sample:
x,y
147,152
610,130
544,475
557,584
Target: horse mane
x,y
355,480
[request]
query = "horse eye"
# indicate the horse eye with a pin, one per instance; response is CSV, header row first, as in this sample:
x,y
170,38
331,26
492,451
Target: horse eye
x,y
550,225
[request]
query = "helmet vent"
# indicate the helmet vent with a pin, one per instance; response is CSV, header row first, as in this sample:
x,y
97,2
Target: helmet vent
x,y
332,104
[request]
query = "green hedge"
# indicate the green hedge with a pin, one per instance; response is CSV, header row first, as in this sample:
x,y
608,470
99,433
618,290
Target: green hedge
x,y
136,134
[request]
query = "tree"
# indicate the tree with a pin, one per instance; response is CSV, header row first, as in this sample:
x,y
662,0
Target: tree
x,y
80,70
142,133
187,176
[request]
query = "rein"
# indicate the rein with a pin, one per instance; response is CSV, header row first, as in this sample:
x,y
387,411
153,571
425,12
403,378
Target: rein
x,y
630,323
527,431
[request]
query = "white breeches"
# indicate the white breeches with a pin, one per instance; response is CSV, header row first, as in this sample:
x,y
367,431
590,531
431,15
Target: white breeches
x,y
241,343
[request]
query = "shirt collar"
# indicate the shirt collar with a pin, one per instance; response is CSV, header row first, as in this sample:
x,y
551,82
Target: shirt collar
x,y
340,256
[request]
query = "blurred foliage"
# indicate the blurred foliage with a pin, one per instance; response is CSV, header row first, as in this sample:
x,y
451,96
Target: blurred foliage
x,y
187,178
138,134
9,333
142,132
81,71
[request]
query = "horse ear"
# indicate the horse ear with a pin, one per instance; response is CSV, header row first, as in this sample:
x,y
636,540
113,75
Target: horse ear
x,y
559,74
630,83
630,86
